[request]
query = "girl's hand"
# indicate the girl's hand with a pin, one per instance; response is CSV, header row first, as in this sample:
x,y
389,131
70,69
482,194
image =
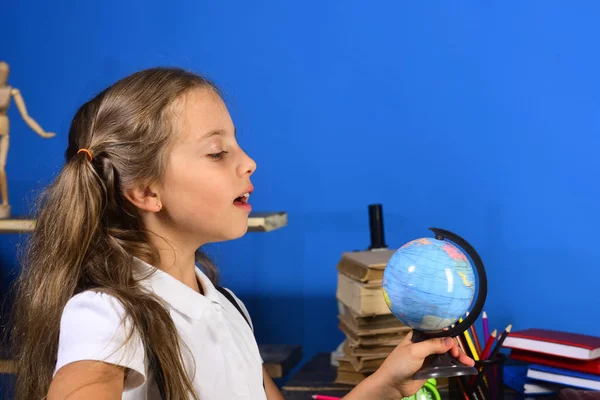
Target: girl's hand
x,y
394,377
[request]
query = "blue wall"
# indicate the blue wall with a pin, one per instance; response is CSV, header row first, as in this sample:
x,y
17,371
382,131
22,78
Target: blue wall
x,y
482,119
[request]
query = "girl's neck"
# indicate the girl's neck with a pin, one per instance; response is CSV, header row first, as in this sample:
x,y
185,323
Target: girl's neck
x,y
180,265
177,255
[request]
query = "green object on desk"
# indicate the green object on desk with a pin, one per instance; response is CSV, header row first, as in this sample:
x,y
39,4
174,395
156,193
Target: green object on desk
x,y
427,392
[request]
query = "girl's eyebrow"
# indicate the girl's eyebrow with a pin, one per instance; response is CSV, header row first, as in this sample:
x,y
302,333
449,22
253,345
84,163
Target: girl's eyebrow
x,y
218,132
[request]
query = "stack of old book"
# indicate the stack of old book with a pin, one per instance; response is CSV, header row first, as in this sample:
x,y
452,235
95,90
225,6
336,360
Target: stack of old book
x,y
371,331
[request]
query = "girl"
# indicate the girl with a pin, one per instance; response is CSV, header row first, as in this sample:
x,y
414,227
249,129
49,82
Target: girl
x,y
114,300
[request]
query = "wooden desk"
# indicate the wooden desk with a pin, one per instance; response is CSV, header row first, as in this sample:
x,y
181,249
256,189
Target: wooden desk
x,y
318,376
257,222
280,359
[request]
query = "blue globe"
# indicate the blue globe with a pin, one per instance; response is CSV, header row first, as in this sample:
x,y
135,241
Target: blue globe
x,y
429,284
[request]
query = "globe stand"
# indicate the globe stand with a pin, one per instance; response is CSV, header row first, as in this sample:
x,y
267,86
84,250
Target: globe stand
x,y
444,365
440,365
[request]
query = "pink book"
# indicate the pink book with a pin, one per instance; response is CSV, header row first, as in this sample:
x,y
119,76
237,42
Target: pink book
x,y
558,343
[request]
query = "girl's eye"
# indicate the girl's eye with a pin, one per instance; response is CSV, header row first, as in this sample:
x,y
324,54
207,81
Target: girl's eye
x,y
218,156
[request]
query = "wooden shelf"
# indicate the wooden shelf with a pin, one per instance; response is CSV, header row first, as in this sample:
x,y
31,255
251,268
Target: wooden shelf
x,y
7,367
267,221
279,359
16,225
257,222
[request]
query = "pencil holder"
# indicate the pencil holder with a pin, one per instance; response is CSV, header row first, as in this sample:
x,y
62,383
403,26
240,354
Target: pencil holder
x,y
488,384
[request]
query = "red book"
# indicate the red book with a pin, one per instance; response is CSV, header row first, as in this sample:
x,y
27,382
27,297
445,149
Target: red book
x,y
557,343
530,357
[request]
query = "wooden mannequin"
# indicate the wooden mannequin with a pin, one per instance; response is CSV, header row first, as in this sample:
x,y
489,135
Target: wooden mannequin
x,y
6,92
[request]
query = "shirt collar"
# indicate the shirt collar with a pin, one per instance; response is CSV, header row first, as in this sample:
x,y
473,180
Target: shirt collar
x,y
178,295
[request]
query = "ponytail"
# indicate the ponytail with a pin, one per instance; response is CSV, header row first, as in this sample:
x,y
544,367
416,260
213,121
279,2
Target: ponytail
x,y
87,234
67,223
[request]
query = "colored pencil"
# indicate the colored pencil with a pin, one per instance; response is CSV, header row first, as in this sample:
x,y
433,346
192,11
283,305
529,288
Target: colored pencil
x,y
462,341
322,397
475,339
500,341
475,356
462,387
488,345
468,342
486,327
477,393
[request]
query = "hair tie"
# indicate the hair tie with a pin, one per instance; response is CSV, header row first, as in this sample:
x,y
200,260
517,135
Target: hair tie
x,y
89,153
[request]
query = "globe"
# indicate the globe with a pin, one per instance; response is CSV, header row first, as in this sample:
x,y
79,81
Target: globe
x,y
429,284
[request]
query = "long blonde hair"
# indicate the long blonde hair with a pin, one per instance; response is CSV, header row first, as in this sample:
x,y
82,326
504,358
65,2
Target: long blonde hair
x,y
87,233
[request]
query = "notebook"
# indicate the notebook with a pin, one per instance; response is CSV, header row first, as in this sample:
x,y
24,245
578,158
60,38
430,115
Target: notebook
x,y
515,377
564,344
531,357
563,376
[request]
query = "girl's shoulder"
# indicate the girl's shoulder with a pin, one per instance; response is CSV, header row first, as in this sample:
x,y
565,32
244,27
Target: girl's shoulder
x,y
94,326
94,314
94,303
93,296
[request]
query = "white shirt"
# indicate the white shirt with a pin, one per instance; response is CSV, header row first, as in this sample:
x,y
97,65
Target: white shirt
x,y
219,349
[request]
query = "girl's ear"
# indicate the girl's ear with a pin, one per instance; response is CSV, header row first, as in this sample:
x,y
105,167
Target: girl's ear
x,y
144,198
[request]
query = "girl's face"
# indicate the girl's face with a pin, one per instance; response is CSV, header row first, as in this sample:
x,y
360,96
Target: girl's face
x,y
206,182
